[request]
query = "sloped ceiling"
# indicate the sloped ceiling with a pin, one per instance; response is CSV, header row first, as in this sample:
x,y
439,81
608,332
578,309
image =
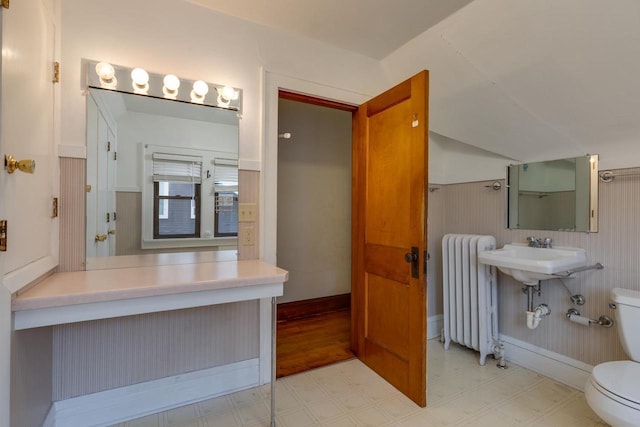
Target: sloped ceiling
x,y
535,80
373,28
528,79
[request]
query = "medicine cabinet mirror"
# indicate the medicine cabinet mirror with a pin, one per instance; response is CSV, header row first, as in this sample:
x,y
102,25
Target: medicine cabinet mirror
x,y
162,177
558,195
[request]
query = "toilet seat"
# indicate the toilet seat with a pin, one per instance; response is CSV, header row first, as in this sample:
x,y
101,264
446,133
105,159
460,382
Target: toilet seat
x,y
619,381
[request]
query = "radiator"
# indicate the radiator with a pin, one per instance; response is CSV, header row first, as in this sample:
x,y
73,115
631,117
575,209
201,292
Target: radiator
x,y
470,295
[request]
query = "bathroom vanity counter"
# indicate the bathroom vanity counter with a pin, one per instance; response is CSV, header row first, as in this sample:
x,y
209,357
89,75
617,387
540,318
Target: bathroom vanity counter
x,y
100,294
79,296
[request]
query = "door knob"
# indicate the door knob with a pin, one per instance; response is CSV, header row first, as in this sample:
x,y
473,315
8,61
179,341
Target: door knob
x,y
410,257
101,237
11,164
112,232
413,258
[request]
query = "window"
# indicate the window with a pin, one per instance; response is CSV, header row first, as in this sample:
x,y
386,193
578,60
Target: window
x,y
163,205
225,181
226,217
176,196
183,190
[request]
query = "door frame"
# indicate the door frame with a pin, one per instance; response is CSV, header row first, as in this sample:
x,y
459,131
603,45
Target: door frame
x,y
273,83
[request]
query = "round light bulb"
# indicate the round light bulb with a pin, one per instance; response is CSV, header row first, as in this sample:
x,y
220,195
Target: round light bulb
x,y
200,88
171,82
140,77
105,71
228,93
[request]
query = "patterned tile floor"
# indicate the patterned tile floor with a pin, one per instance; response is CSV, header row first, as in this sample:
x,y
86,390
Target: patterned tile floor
x,y
460,393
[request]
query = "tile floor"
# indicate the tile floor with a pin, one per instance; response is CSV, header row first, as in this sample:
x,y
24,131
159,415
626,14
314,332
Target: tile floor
x,y
460,393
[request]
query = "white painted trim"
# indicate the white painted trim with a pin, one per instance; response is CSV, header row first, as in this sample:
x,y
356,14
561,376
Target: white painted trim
x,y
265,340
25,319
272,83
126,189
125,403
23,276
434,326
556,366
72,151
249,165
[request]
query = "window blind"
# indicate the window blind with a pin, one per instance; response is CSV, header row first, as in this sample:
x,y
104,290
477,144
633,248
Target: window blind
x,y
225,174
177,168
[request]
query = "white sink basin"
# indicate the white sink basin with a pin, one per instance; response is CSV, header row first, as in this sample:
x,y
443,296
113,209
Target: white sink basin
x,y
530,265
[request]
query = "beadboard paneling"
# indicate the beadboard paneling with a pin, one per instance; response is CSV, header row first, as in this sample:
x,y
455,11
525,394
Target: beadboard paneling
x,y
435,232
128,223
98,355
472,208
72,213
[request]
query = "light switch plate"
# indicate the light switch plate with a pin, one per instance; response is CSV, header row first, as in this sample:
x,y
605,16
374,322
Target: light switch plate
x,y
247,212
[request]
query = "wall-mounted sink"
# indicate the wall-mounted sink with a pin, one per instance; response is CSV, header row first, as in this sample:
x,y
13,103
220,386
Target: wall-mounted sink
x,y
530,265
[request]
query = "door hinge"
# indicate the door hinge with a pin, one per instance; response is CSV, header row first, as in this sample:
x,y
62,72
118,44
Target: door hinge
x,y
108,145
5,4
115,155
114,216
3,235
54,208
56,72
108,217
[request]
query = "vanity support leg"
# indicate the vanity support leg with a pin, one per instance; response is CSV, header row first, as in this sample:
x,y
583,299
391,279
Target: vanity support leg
x,y
273,361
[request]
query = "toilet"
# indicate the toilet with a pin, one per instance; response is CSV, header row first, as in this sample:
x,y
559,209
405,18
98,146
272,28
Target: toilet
x,y
613,390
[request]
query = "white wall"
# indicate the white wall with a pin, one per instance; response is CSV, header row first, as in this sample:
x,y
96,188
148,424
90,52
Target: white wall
x,y
192,42
451,161
314,200
139,128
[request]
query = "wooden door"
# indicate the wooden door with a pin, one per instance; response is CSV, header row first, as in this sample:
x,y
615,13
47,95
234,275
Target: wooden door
x,y
390,148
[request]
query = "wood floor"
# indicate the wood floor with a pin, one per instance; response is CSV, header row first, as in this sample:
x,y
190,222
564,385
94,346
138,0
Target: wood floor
x,y
310,342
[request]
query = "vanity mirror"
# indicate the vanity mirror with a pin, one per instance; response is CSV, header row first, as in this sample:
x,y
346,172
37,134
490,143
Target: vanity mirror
x,y
162,167
560,195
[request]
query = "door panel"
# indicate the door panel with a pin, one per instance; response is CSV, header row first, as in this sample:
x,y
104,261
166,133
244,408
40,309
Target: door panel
x,y
27,130
389,219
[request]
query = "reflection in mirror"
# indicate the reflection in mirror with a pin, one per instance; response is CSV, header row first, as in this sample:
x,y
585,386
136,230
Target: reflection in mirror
x,y
560,195
162,176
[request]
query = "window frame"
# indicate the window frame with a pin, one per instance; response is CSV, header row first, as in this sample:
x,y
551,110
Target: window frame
x,y
157,198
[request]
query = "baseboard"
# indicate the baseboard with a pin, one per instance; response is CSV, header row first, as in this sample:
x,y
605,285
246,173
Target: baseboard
x,y
434,326
553,365
309,307
125,403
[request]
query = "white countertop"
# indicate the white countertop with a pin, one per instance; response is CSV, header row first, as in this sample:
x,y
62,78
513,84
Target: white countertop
x,y
86,295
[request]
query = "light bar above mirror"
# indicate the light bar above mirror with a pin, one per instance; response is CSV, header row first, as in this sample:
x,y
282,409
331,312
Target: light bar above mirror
x,y
104,75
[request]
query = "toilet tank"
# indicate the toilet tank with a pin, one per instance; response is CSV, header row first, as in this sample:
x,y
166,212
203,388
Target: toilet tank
x,y
627,320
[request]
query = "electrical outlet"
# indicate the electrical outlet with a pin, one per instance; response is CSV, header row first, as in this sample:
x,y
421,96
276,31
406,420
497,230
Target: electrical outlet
x,y
248,235
247,212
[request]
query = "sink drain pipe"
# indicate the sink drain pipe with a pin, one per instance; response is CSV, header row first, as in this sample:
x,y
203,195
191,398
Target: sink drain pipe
x,y
534,315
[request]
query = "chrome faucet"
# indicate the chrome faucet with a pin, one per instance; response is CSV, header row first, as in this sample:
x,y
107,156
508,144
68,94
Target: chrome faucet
x,y
539,243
